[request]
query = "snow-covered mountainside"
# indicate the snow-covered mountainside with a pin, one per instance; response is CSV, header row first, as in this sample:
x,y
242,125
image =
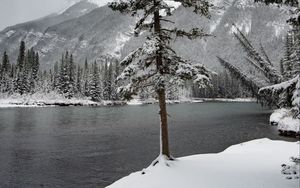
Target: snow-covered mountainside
x,y
90,31
260,23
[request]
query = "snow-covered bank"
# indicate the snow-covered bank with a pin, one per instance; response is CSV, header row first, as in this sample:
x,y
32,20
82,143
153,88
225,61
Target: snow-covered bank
x,y
259,163
287,124
189,100
230,100
54,99
50,99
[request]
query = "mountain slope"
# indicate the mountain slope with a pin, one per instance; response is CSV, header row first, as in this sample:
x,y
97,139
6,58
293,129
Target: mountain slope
x,y
90,32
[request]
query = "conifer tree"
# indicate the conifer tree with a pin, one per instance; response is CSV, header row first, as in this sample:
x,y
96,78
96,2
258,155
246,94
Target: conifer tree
x,y
106,82
4,73
86,79
95,91
21,57
71,88
35,65
5,63
287,59
155,63
55,84
78,80
64,76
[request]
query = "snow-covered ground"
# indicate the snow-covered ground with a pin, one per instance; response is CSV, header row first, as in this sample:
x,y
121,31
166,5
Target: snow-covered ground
x,y
277,115
50,99
289,124
260,163
285,121
55,99
230,100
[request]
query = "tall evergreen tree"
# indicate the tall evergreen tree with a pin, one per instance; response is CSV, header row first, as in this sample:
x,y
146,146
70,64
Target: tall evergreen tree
x,y
21,57
86,78
78,79
95,90
5,63
56,76
71,89
4,73
287,59
155,63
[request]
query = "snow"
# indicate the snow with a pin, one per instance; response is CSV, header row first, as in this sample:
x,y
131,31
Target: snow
x,y
281,86
279,28
70,4
10,33
230,100
136,101
289,124
284,119
49,99
277,115
258,163
243,25
99,3
172,3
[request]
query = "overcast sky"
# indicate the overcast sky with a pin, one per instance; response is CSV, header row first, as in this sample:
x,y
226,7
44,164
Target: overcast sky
x,y
18,11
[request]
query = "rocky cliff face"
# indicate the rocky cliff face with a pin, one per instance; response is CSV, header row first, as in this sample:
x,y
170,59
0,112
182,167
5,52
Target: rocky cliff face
x,y
89,31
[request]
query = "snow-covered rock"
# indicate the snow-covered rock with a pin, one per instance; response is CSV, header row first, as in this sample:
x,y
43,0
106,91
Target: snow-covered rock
x,y
289,124
286,121
277,115
253,164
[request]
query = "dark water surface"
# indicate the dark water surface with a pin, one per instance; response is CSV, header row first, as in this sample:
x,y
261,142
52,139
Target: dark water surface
x,y
93,147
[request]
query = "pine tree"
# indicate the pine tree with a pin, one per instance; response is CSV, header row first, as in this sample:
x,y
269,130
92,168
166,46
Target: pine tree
x,y
35,65
95,91
106,82
21,57
71,88
4,73
86,79
64,76
287,59
256,60
56,77
116,73
20,77
5,63
155,63
78,80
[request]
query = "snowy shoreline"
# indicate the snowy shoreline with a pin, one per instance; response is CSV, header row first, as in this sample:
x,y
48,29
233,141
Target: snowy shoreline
x,y
41,100
258,163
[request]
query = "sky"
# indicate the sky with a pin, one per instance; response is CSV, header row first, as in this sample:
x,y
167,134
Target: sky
x,y
18,11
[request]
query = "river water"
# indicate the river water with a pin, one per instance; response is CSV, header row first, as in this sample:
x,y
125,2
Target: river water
x,y
95,146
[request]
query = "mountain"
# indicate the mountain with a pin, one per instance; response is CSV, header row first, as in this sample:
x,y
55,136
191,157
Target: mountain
x,y
90,31
260,23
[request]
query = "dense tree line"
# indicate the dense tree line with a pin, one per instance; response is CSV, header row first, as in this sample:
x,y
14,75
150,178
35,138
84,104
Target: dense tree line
x,y
223,86
21,77
95,80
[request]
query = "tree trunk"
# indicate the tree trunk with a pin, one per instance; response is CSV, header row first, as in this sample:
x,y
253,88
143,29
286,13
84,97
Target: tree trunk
x,y
164,145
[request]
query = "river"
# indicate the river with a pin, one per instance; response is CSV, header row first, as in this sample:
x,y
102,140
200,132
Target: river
x,y
95,146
